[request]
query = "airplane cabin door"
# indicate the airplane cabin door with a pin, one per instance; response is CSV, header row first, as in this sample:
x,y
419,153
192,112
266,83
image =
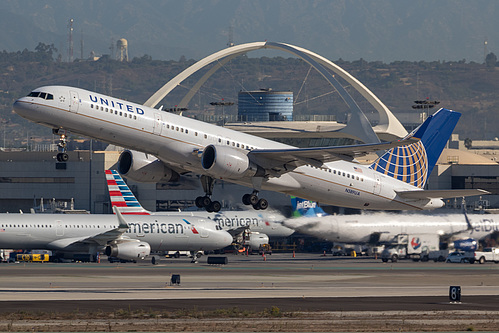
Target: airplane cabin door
x,y
377,184
157,124
59,228
74,103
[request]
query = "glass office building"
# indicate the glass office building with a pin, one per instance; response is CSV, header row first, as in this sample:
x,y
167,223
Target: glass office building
x,y
265,105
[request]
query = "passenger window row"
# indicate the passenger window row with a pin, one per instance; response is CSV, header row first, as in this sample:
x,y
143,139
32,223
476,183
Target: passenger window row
x,y
116,112
50,226
340,173
220,140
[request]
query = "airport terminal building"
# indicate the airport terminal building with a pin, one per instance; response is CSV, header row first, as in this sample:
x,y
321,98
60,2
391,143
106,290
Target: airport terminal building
x,y
29,178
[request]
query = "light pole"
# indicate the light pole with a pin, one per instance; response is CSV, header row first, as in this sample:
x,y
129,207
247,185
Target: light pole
x,y
426,105
222,104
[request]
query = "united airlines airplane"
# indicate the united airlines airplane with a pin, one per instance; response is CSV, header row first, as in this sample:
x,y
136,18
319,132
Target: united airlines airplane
x,y
164,145
130,239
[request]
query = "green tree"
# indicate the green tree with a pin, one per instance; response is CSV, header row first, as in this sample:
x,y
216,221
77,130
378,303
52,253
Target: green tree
x,y
45,52
491,60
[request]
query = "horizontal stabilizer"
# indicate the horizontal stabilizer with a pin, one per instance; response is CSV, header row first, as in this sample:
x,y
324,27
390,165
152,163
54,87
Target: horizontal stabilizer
x,y
440,194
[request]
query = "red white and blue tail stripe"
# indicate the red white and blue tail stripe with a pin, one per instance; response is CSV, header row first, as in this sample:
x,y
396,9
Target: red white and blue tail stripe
x,y
121,195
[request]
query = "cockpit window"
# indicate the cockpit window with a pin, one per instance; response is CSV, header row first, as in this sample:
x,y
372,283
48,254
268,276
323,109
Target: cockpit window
x,y
41,95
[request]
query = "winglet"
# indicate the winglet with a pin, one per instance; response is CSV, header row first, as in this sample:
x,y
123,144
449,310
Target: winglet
x,y
470,227
123,224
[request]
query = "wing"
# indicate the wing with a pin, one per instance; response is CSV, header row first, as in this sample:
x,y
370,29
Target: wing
x,y
99,239
439,194
295,157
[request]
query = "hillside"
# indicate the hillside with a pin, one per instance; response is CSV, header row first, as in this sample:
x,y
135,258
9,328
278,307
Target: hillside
x,y
466,87
385,30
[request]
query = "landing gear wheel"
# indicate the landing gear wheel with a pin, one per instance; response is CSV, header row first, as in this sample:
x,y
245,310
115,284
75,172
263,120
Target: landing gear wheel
x,y
246,199
199,202
206,201
262,204
62,157
203,202
253,199
215,206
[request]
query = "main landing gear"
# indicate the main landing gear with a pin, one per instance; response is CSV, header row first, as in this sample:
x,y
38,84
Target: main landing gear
x,y
252,199
205,202
63,134
215,206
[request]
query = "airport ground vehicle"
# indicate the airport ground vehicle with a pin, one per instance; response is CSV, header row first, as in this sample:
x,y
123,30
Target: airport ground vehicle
x,y
461,256
414,246
265,249
488,254
32,257
438,256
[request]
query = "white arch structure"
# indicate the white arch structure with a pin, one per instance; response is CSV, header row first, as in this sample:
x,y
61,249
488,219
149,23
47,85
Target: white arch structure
x,y
358,124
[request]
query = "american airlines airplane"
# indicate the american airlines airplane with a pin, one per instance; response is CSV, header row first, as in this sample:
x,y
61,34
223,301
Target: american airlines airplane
x,y
248,227
165,145
130,239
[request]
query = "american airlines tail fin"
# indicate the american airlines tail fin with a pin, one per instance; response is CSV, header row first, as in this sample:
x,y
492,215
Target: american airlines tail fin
x,y
413,163
121,195
302,207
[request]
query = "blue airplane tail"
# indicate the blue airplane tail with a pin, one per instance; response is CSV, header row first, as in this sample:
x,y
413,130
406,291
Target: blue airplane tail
x,y
413,163
302,207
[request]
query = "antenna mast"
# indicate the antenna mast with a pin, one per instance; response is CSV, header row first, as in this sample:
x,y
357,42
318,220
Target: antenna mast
x,y
70,40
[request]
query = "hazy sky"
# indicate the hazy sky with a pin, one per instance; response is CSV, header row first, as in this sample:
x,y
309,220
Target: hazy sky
x,y
385,30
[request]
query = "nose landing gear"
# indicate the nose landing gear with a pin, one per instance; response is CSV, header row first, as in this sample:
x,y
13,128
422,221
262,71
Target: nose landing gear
x,y
63,134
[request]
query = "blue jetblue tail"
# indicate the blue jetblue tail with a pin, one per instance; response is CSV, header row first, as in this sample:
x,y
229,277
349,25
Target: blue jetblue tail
x,y
413,163
302,207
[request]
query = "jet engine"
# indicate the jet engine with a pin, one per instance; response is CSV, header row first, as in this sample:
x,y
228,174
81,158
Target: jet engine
x,y
226,162
256,239
144,168
468,244
129,250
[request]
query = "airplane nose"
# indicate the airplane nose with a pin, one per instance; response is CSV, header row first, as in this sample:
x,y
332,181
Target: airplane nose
x,y
223,238
20,106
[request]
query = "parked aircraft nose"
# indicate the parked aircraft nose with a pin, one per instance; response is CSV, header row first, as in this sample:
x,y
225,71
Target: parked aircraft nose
x,y
221,238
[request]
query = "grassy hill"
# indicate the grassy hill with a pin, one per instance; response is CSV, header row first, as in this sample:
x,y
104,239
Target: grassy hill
x,y
469,88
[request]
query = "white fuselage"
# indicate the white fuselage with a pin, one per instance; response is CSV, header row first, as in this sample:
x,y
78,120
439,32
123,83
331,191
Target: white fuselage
x,y
179,141
265,222
360,228
85,232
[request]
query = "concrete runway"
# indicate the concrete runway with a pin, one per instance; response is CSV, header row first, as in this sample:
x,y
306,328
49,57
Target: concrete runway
x,y
308,282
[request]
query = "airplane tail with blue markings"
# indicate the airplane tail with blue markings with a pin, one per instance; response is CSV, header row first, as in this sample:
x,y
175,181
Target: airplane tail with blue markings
x,y
302,207
413,163
121,195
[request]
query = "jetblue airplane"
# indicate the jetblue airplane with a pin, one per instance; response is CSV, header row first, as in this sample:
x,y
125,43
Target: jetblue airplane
x,y
130,239
265,223
165,145
382,227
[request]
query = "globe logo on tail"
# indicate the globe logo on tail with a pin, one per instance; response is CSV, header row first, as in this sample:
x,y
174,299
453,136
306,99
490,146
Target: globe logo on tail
x,y
406,163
